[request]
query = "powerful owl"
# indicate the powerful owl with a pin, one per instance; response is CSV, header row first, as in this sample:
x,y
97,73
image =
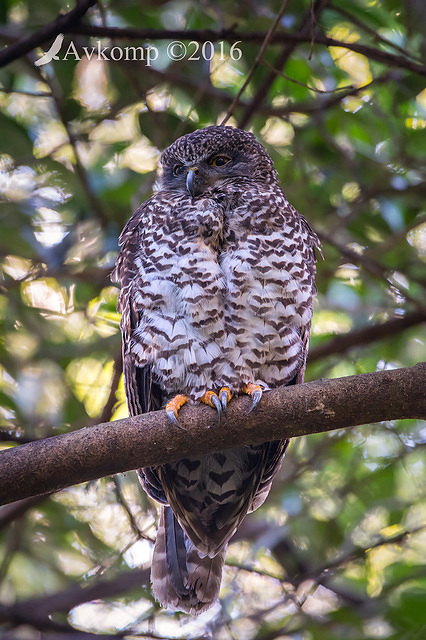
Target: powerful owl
x,y
217,274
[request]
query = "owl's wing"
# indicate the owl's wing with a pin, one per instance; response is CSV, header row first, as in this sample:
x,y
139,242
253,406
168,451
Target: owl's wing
x,y
142,393
273,452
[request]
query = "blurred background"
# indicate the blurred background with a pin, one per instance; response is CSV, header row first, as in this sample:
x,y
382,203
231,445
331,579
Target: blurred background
x,y
336,93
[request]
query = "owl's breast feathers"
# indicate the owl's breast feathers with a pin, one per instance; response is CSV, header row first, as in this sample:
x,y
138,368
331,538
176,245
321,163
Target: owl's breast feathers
x,y
216,291
221,288
269,264
176,290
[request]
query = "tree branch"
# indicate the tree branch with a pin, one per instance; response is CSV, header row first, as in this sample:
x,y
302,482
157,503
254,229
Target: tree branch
x,y
259,57
77,594
232,35
62,24
365,335
93,452
70,23
307,30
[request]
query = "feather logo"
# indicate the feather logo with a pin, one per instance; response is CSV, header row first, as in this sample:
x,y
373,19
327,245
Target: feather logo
x,y
52,54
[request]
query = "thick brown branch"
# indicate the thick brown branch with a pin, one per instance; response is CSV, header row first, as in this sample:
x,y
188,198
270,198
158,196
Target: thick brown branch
x,y
93,452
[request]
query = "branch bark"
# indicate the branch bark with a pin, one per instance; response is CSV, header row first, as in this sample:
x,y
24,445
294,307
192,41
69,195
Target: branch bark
x,y
105,449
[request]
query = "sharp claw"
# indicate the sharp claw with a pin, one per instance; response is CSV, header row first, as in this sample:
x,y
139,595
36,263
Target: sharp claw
x,y
215,400
224,399
255,391
173,418
224,403
257,395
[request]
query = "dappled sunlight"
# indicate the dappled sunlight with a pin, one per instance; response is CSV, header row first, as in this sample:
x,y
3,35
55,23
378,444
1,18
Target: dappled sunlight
x,y
92,84
140,156
122,128
90,380
52,139
47,294
108,617
224,71
40,393
277,133
417,238
325,322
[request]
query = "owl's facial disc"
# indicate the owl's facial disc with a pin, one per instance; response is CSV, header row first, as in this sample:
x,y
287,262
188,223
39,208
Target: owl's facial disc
x,y
197,175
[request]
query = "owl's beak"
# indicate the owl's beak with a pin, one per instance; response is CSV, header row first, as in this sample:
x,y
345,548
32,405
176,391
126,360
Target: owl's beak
x,y
192,182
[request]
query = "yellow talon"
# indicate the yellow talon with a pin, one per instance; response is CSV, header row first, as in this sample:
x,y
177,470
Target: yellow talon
x,y
255,391
173,406
208,398
211,398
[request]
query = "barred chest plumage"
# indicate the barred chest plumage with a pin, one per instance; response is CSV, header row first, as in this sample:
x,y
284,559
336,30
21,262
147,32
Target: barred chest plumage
x,y
225,290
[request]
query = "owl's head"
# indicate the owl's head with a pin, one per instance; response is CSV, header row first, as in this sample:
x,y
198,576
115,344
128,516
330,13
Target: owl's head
x,y
208,157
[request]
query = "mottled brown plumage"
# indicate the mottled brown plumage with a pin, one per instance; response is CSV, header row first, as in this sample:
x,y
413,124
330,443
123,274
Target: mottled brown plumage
x,y
217,274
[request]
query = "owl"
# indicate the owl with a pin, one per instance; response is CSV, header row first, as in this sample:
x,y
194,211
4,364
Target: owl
x,y
217,276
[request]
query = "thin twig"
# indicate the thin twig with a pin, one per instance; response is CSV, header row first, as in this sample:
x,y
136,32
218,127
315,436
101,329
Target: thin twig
x,y
372,267
304,31
346,87
121,499
372,32
256,62
31,94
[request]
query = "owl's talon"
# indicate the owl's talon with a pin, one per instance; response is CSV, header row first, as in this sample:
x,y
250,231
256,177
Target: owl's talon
x,y
212,400
218,406
224,397
256,399
255,391
172,408
174,419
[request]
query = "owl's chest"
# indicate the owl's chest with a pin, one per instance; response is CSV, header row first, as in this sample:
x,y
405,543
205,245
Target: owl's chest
x,y
179,252
263,255
180,285
268,280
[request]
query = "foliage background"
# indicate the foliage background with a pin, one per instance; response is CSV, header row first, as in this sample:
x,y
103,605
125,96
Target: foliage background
x,y
338,549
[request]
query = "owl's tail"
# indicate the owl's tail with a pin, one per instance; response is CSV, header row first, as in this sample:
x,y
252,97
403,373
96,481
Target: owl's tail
x,y
182,579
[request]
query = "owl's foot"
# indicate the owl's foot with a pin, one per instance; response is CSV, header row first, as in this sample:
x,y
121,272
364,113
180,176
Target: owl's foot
x,y
255,391
173,406
218,402
212,399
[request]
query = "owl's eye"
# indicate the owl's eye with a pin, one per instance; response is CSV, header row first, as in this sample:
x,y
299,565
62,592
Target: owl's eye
x,y
220,161
177,169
